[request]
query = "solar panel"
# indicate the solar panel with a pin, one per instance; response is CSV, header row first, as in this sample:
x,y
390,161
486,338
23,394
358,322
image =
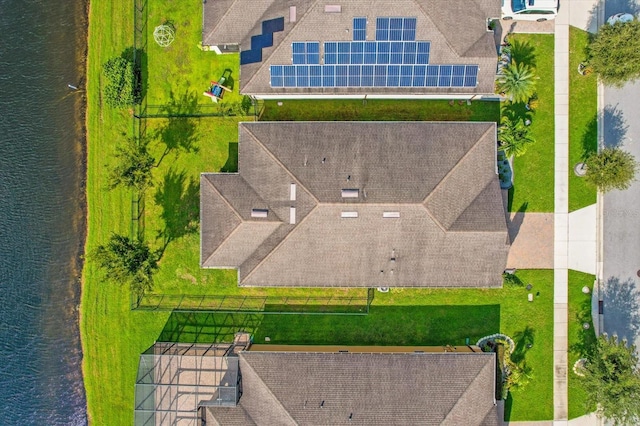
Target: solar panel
x,y
382,29
355,72
394,60
359,29
393,76
261,41
444,79
341,76
250,56
457,76
302,76
273,25
315,76
276,76
289,76
419,73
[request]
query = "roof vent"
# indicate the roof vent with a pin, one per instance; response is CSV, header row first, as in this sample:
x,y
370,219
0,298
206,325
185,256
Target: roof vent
x,y
350,193
259,213
292,192
292,215
349,214
332,8
389,215
292,14
322,404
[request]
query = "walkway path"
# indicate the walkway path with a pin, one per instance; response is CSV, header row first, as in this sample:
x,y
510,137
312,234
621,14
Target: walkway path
x,y
561,217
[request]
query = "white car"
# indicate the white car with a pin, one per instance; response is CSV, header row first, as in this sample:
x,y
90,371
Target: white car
x,y
529,10
620,17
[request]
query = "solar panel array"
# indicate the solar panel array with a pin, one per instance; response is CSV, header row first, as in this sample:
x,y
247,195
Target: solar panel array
x,y
395,59
374,75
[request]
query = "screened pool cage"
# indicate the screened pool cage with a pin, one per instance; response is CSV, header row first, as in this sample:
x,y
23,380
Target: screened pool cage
x,y
177,380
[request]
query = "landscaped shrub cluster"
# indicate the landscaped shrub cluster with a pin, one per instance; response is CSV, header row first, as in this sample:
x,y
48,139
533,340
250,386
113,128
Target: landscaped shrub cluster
x,y
122,87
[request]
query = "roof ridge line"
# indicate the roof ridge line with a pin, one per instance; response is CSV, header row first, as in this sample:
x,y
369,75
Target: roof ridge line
x,y
234,212
264,60
450,172
471,203
220,21
274,158
267,388
272,251
433,21
490,365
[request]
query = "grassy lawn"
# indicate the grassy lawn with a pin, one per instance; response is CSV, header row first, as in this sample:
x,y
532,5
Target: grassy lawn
x,y
580,340
413,317
534,171
113,336
583,119
379,110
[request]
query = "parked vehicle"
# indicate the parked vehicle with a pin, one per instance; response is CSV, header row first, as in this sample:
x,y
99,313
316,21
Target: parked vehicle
x,y
620,17
529,10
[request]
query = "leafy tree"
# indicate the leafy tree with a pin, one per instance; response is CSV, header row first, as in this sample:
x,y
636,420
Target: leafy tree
x,y
517,81
134,165
127,261
246,104
121,87
514,136
612,381
614,52
611,168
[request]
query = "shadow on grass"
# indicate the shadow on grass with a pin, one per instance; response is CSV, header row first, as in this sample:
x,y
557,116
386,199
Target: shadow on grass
x,y
587,338
231,166
523,52
180,131
590,138
615,126
523,342
402,326
179,199
621,308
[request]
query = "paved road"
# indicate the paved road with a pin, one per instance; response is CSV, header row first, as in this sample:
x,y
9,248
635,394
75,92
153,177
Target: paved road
x,y
621,245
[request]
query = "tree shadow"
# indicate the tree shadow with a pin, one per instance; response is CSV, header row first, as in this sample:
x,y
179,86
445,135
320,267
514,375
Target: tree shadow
x,y
140,69
180,133
180,203
587,338
515,223
621,308
523,52
590,138
231,166
615,126
523,342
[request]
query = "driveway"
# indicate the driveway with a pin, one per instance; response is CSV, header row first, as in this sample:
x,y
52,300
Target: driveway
x,y
531,237
621,223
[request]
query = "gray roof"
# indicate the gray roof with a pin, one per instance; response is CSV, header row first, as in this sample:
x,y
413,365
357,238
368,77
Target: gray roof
x,y
439,178
457,30
285,388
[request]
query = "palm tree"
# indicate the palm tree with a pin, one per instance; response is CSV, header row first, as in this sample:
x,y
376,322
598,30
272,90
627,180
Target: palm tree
x,y
517,82
514,136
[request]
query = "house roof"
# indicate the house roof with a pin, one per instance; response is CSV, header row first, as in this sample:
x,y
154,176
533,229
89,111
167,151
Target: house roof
x,y
456,29
288,388
427,200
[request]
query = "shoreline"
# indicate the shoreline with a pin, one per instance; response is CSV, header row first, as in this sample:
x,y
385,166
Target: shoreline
x,y
82,55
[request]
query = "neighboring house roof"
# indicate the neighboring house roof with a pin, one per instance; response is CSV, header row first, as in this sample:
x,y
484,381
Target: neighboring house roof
x,y
288,388
437,181
456,30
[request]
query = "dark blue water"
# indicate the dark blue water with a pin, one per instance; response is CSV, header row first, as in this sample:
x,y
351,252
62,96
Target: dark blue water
x,y
42,44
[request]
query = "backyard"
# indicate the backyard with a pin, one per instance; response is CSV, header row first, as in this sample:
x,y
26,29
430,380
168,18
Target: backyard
x,y
184,145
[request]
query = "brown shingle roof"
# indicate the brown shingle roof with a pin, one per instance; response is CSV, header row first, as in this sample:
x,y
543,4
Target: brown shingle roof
x,y
364,389
457,30
438,177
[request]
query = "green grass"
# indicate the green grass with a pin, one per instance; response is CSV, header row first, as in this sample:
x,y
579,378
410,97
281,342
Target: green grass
x,y
113,336
583,119
534,171
379,110
580,340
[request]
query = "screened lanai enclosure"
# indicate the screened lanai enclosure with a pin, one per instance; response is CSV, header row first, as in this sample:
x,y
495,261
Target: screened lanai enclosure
x,y
177,380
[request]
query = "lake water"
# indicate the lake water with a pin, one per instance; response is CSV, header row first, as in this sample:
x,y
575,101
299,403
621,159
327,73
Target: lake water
x,y
42,44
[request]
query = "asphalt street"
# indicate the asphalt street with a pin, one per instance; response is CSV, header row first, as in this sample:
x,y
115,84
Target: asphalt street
x,y
621,245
